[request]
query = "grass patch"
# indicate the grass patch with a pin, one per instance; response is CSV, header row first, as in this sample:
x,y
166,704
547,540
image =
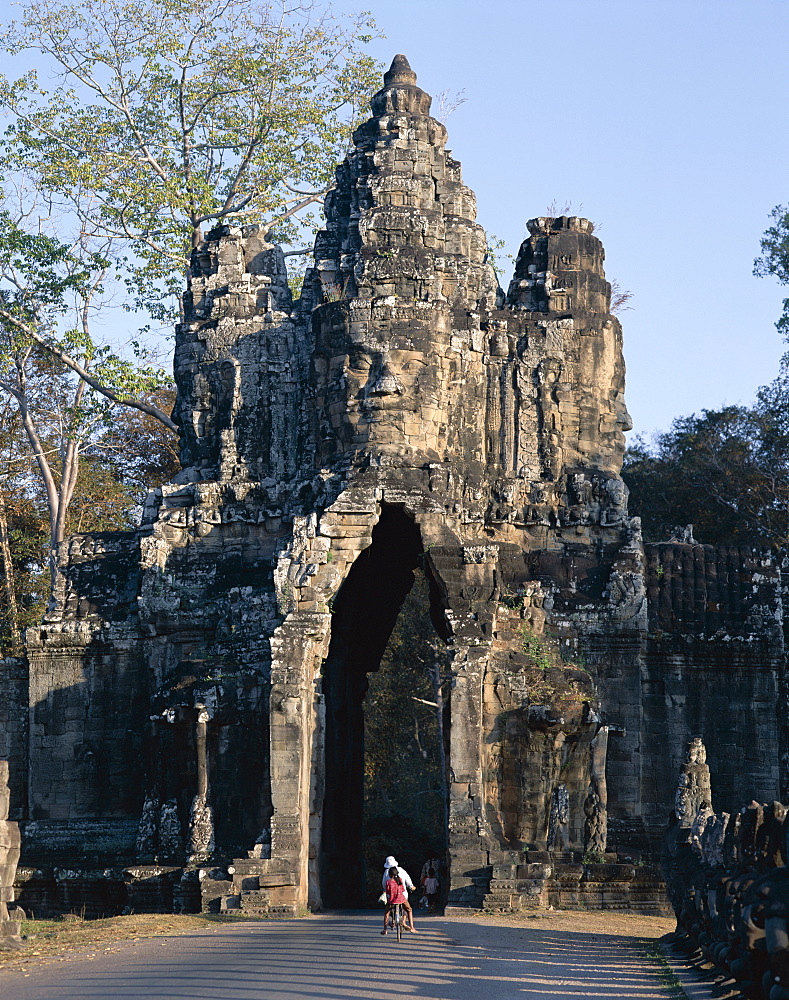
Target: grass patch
x,y
668,978
611,923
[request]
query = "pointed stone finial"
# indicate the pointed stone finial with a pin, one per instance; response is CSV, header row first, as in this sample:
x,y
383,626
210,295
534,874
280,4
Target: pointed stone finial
x,y
400,72
400,94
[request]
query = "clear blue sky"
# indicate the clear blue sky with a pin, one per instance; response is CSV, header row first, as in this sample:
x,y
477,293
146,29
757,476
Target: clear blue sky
x,y
665,120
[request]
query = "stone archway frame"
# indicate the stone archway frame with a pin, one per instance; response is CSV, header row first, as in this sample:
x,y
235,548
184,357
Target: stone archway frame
x,y
309,573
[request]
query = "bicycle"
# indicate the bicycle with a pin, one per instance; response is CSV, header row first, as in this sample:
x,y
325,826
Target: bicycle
x,y
397,919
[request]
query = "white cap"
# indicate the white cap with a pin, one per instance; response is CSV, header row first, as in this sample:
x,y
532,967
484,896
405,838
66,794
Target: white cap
x,y
390,862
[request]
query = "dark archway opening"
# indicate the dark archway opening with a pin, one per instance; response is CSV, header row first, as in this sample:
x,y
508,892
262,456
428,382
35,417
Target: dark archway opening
x,y
391,794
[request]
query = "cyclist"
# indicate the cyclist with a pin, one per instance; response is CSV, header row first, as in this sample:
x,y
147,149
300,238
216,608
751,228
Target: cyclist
x,y
396,893
391,862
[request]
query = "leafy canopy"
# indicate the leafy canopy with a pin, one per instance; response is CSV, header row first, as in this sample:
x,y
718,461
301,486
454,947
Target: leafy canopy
x,y
725,471
171,116
43,283
775,257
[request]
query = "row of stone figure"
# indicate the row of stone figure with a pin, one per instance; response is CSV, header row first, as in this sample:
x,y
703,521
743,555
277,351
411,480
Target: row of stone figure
x,y
728,882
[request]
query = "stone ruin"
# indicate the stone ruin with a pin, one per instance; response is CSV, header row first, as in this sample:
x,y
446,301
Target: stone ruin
x,y
10,915
187,728
728,882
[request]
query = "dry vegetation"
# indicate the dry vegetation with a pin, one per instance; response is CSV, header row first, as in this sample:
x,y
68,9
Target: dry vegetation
x,y
616,923
58,940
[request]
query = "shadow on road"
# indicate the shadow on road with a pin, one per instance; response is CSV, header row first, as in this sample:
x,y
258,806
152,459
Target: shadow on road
x,y
344,957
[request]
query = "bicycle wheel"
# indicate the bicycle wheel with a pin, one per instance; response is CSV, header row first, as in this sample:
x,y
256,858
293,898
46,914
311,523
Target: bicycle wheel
x,y
398,919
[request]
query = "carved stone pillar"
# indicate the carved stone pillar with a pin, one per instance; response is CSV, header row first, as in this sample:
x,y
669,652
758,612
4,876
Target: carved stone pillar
x,y
10,842
201,820
596,805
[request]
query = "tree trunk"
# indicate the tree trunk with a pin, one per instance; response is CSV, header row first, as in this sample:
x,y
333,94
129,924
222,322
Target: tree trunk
x,y
9,579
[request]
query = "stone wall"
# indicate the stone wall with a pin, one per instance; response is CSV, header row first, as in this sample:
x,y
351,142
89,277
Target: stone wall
x,y
14,691
713,664
542,881
88,697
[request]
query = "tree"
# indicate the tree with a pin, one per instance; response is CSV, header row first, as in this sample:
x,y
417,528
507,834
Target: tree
x,y
41,280
26,581
774,259
140,449
168,118
116,468
23,532
173,116
725,471
43,285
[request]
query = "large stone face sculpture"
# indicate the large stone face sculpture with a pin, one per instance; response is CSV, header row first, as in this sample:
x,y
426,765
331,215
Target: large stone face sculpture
x,y
197,689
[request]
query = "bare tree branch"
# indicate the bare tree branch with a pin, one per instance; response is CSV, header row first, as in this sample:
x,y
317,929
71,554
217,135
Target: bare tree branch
x,y
76,367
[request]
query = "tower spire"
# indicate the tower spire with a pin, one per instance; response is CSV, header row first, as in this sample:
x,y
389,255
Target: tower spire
x,y
400,72
400,93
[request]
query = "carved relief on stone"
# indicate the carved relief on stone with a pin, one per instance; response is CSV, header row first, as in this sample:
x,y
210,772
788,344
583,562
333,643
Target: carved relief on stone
x,y
147,830
542,505
596,805
615,502
626,594
559,819
693,788
713,838
699,825
10,843
549,372
535,603
376,390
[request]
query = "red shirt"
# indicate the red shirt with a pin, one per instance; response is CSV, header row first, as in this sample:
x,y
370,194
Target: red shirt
x,y
395,892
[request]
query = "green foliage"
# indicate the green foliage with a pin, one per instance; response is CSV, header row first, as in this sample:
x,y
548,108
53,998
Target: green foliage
x,y
44,270
116,467
536,649
61,416
774,259
671,985
551,677
296,284
101,500
172,116
42,280
513,601
141,451
404,781
28,531
725,471
495,256
593,858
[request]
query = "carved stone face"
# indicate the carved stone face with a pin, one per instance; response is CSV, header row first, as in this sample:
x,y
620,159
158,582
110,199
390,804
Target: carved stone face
x,y
387,392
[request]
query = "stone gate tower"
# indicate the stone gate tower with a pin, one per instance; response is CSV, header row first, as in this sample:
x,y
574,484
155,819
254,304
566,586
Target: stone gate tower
x,y
197,690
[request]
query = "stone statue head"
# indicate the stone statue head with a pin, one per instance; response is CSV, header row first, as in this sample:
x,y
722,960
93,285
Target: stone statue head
x,y
383,388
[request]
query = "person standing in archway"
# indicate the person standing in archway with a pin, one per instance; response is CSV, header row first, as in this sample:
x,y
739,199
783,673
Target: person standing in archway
x,y
430,885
